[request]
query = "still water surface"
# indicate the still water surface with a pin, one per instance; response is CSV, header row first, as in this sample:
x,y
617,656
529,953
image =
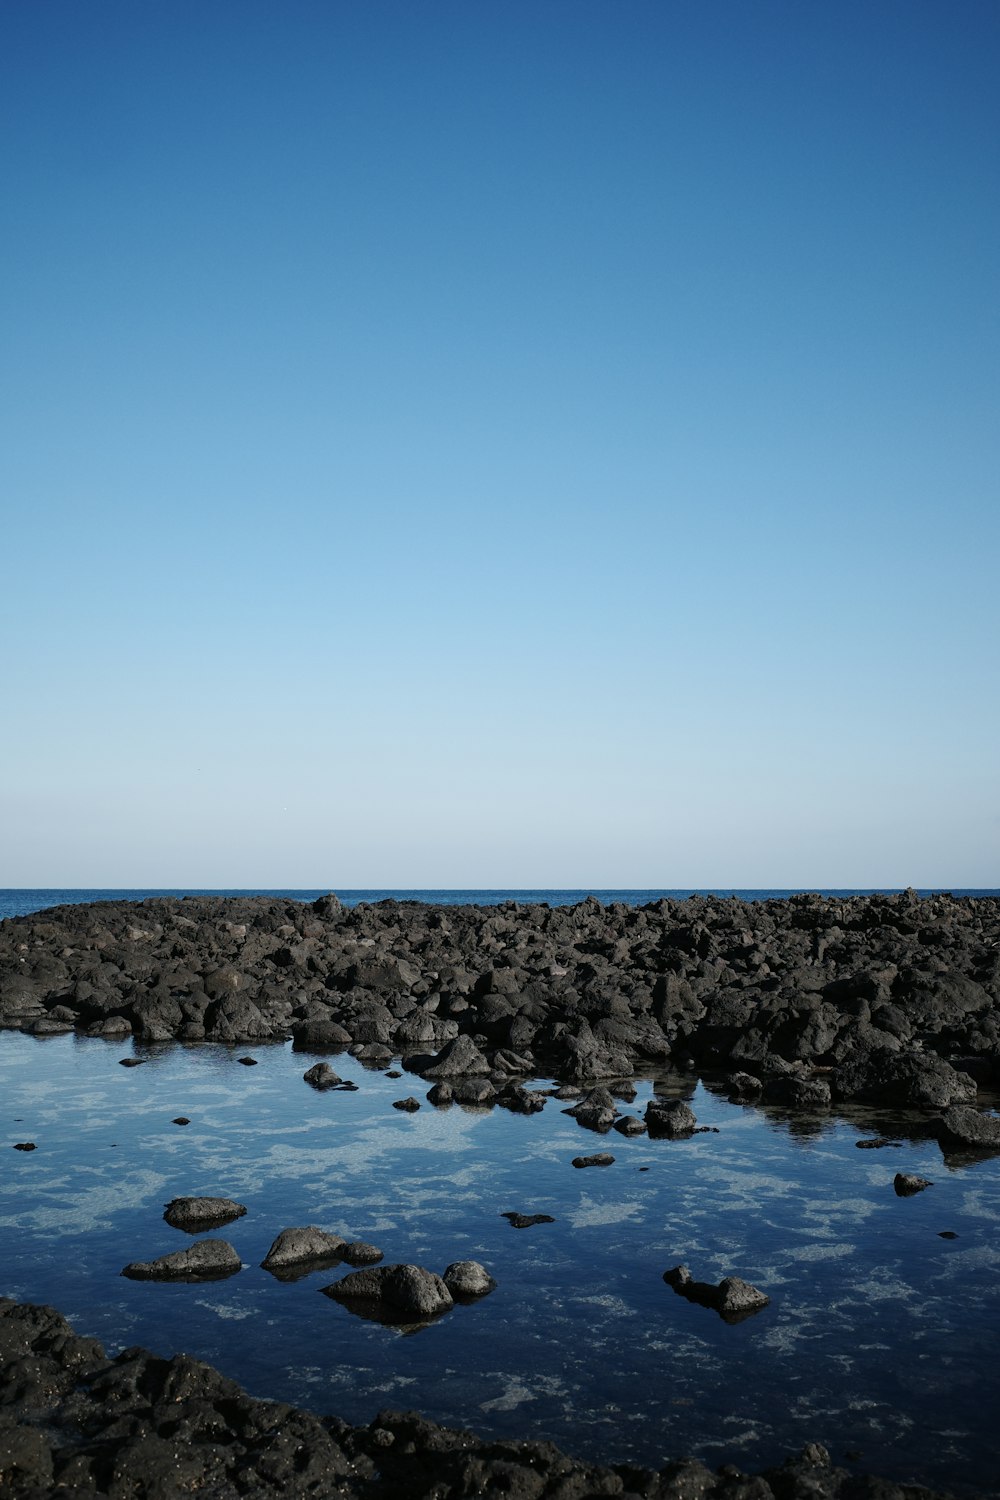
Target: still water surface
x,y
880,1340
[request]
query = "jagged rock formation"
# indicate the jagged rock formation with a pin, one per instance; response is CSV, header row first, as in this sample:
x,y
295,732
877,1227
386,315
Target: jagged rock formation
x,y
896,998
71,1420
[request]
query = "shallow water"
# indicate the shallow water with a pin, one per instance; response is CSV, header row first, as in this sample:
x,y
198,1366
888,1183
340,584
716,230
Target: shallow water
x,y
880,1339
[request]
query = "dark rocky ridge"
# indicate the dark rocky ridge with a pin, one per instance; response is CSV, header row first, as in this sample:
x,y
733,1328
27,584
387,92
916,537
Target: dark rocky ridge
x,y
896,998
141,1426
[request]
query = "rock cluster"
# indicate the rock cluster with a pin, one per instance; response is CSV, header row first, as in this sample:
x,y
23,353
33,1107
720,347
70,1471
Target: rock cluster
x,y
78,1422
897,998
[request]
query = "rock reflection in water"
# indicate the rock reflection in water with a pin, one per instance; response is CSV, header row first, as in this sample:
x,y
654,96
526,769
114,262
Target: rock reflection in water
x,y
878,1332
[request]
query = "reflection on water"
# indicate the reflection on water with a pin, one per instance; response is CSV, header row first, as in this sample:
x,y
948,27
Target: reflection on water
x,y
879,1340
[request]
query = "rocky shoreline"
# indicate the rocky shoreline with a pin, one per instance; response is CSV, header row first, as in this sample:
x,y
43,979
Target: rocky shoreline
x,y
73,1421
805,1004
808,1001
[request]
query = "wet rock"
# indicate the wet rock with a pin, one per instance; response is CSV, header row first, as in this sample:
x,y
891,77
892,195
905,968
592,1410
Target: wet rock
x,y
131,1062
877,1143
405,1290
669,1118
961,1125
906,1184
155,1427
321,1076
296,1247
25,1146
600,1159
733,1299
207,1260
595,1111
196,1214
630,1125
248,1062
467,1278
440,1094
796,1092
742,1086
410,1105
947,1234
525,1221
181,1120
519,1100
360,1253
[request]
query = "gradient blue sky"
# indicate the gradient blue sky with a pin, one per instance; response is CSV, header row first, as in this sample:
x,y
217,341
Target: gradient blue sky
x,y
486,444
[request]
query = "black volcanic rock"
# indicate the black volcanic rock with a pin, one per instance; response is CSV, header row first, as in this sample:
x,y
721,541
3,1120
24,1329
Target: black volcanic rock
x,y
206,1260
143,1425
882,991
670,1118
195,1214
733,1299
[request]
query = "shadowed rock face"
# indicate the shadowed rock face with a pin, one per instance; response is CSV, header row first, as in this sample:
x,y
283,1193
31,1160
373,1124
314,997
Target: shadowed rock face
x,y
142,1425
896,998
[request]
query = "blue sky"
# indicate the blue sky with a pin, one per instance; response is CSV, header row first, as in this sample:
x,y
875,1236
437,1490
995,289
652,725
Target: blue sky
x,y
486,444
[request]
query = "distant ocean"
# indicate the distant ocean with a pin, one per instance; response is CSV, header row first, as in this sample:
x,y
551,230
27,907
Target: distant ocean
x,y
18,903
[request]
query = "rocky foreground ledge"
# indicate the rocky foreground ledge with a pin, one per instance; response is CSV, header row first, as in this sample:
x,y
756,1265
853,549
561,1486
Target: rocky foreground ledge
x,y
888,999
74,1422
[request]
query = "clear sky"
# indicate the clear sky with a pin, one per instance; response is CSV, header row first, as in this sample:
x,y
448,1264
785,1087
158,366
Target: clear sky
x,y
500,443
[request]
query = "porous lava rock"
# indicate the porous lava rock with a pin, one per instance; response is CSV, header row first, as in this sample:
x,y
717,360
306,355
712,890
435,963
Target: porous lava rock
x,y
321,1076
206,1260
733,1299
670,1118
409,1291
897,996
908,1183
963,1126
468,1278
143,1425
196,1214
296,1247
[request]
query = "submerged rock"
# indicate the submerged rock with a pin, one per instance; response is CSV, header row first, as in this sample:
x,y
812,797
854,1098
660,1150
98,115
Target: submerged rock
x,y
208,1260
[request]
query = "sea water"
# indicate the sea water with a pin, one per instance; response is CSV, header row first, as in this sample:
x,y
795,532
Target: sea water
x,y
880,1339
